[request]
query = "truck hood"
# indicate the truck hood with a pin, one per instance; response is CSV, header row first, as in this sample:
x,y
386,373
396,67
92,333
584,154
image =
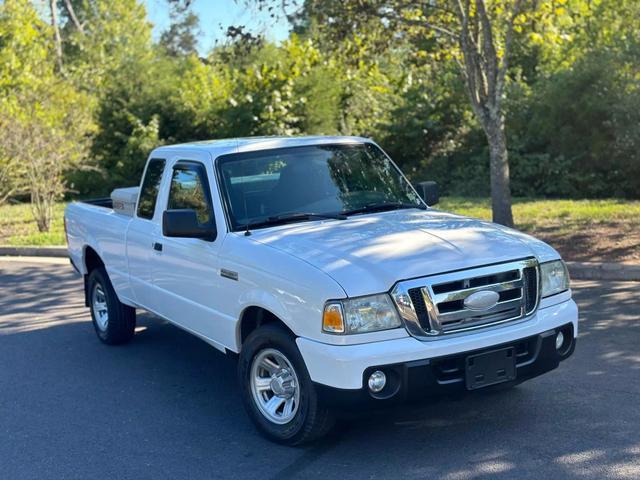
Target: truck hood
x,y
369,253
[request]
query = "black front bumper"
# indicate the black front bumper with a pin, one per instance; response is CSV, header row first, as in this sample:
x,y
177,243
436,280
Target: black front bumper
x,y
442,376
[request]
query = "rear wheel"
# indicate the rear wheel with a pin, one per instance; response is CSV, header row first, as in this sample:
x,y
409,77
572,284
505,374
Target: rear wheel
x,y
114,322
277,390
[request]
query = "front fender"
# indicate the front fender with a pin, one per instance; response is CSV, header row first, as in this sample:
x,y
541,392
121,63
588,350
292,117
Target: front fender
x,y
292,290
266,301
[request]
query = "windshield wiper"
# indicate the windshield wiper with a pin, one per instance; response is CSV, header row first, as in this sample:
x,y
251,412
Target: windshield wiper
x,y
382,207
294,217
306,216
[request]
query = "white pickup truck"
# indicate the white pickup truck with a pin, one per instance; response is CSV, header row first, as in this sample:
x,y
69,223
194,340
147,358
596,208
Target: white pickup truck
x,y
332,278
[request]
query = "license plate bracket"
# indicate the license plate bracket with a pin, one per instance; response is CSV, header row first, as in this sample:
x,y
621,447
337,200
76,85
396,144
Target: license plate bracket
x,y
490,368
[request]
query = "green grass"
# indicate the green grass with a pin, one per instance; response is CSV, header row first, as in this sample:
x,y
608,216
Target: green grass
x,y
17,226
530,214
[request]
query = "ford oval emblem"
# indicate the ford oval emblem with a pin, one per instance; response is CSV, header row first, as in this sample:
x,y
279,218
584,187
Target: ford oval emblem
x,y
482,300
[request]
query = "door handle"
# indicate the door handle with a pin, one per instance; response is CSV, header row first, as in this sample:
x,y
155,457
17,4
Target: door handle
x,y
157,246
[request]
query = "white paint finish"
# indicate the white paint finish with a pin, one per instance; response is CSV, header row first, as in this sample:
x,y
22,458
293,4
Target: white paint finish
x,y
140,238
555,299
140,255
343,366
234,145
292,270
369,253
186,284
292,290
104,231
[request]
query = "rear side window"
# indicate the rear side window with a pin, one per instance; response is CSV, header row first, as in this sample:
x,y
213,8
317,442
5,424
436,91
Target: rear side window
x,y
150,187
190,189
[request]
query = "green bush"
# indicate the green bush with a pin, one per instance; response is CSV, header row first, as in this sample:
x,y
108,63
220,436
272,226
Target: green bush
x,y
573,107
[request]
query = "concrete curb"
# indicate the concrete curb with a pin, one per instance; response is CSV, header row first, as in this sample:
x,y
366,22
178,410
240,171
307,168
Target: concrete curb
x,y
57,252
604,271
577,270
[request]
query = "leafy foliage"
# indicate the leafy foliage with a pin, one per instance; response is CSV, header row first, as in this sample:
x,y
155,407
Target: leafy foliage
x,y
572,88
43,120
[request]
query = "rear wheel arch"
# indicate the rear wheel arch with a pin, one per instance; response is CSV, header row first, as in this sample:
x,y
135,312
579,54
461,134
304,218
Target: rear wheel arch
x,y
114,322
91,261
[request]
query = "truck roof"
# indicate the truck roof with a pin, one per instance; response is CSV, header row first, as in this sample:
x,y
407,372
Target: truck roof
x,y
247,144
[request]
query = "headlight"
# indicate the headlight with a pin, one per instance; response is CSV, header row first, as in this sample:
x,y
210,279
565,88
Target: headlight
x,y
554,278
360,315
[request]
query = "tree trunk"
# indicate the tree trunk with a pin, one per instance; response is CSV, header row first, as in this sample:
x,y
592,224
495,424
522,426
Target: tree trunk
x,y
72,15
499,168
53,7
42,211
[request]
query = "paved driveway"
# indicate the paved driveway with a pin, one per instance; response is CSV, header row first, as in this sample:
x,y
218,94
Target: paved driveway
x,y
167,406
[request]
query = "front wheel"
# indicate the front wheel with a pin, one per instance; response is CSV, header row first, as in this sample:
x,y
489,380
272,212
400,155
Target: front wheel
x,y
277,390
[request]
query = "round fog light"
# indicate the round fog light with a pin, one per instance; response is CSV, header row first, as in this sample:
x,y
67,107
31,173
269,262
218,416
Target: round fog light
x,y
377,381
559,340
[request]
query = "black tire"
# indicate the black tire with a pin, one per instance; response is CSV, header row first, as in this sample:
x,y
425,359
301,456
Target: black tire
x,y
121,321
312,420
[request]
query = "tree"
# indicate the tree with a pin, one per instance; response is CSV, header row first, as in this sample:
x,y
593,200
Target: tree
x,y
109,55
44,120
113,42
485,69
45,150
24,53
477,34
53,10
181,38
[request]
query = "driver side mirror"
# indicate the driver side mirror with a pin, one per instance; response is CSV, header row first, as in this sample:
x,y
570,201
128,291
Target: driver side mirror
x,y
428,191
184,223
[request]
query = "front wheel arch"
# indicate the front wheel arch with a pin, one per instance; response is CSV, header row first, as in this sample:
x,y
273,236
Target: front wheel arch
x,y
252,318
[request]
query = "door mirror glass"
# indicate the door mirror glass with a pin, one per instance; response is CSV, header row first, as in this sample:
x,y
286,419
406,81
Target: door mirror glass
x,y
184,223
428,192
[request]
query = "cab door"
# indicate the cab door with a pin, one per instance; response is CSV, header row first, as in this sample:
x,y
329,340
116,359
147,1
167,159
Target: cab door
x,y
186,270
141,232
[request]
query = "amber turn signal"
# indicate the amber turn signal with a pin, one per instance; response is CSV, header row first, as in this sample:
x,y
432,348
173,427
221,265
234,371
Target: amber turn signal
x,y
332,321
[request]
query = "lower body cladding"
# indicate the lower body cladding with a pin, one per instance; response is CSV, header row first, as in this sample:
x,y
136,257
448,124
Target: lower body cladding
x,y
406,369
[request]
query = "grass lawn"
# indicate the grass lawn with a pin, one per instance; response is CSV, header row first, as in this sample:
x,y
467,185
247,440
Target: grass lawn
x,y
585,230
581,230
17,226
528,213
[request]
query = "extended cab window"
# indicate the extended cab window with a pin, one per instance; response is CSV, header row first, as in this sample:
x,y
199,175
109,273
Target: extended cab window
x,y
189,189
150,187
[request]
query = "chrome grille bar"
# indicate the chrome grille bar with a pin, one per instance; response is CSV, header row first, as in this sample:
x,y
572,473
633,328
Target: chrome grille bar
x,y
465,313
435,305
464,293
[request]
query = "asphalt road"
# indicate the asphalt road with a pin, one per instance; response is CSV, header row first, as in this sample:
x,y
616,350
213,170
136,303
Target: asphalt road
x,y
167,406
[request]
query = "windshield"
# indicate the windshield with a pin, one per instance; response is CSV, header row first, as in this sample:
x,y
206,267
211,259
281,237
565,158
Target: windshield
x,y
262,186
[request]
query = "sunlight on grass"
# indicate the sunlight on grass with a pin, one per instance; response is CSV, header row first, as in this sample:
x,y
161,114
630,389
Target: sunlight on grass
x,y
530,214
17,226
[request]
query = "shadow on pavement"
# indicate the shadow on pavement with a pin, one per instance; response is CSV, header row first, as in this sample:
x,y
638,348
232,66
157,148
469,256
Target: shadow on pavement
x,y
167,406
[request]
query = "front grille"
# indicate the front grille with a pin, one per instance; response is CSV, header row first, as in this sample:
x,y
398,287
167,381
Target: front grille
x,y
440,304
531,288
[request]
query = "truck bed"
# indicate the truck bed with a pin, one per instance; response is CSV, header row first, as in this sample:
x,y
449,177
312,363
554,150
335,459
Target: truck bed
x,y
94,224
104,202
